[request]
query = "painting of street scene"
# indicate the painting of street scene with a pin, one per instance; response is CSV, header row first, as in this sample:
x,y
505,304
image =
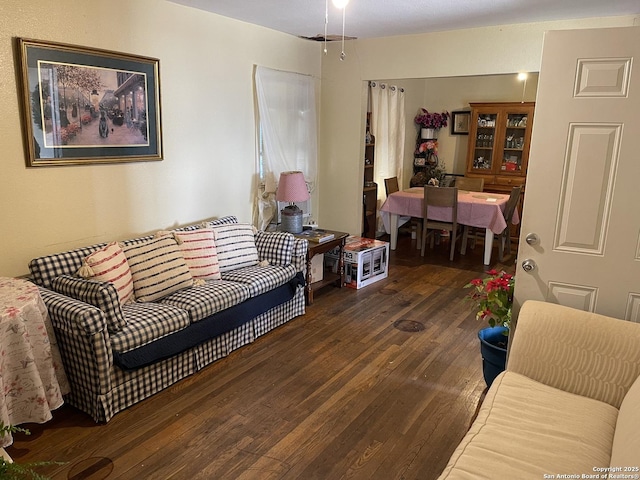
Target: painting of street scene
x,y
85,105
81,106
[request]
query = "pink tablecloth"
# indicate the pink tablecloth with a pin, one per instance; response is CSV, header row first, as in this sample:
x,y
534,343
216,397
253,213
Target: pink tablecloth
x,y
32,380
476,209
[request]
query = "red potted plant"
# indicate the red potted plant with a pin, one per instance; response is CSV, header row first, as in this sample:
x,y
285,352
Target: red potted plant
x,y
494,298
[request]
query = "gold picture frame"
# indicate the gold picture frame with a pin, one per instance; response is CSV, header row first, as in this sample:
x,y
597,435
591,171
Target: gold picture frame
x,y
84,105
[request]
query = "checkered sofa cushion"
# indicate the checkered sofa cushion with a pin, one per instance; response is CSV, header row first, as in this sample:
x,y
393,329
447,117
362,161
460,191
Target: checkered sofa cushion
x,y
211,223
99,294
261,279
147,322
275,247
204,300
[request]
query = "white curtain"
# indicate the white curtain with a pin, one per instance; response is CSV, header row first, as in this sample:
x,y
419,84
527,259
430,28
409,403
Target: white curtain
x,y
287,119
388,127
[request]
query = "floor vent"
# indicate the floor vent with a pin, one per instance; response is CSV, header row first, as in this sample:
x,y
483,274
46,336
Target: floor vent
x,y
408,326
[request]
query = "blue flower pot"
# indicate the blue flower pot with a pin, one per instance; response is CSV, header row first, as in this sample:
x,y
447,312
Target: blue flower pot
x,y
494,357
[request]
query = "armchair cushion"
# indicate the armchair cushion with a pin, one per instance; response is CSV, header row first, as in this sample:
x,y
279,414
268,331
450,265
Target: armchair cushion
x,y
550,334
526,429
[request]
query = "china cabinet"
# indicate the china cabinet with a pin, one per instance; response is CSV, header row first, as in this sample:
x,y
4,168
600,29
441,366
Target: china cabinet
x,y
499,139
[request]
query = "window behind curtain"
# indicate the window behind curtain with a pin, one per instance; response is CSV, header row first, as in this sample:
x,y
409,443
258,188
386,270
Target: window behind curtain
x,y
287,134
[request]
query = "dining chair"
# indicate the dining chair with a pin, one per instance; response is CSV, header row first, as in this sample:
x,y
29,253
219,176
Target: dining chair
x,y
503,238
470,184
391,186
509,209
440,197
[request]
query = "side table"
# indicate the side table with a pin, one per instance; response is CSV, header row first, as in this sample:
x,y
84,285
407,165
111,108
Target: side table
x,y
32,380
328,278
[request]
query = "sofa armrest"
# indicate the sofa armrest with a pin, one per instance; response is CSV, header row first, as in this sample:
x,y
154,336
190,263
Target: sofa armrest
x,y
102,295
83,340
299,255
579,352
71,315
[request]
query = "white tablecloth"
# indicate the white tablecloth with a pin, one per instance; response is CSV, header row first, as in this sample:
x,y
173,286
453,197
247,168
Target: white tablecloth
x,y
32,380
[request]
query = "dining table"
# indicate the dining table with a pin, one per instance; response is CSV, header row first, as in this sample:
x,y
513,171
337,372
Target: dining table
x,y
475,209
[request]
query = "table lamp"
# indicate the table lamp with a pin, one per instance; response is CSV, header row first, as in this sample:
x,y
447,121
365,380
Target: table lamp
x,y
292,188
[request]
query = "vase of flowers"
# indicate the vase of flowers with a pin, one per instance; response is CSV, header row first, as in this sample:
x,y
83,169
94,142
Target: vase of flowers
x,y
494,297
430,123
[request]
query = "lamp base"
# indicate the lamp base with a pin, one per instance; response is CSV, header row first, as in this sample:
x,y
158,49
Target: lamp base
x,y
291,219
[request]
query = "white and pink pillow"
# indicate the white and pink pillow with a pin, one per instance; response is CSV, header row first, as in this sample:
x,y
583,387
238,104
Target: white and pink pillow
x,y
199,251
109,264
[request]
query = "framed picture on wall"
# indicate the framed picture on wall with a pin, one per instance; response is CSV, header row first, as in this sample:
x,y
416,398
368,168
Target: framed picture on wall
x,y
460,122
83,105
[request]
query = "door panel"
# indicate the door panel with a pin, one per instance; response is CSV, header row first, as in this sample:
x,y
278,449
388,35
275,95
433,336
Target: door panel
x,y
583,182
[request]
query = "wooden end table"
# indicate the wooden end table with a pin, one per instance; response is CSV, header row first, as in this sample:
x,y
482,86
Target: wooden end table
x,y
328,278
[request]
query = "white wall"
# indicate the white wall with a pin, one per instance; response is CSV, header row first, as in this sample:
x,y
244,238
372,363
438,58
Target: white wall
x,y
206,75
502,49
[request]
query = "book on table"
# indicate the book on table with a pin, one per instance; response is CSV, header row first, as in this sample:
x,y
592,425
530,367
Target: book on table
x,y
316,235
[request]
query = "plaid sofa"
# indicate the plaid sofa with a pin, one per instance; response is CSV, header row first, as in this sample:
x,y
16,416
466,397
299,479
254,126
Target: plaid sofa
x,y
163,341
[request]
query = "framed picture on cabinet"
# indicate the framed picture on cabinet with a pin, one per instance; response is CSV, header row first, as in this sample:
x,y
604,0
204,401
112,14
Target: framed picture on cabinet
x,y
83,105
460,122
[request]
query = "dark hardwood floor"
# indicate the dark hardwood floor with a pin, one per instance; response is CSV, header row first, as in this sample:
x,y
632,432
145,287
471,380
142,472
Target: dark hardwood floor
x,y
378,383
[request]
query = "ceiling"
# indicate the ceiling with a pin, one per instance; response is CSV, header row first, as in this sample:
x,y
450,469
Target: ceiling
x,y
383,18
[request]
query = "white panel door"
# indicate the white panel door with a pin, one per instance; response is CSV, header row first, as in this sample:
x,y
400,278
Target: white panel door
x,y
583,184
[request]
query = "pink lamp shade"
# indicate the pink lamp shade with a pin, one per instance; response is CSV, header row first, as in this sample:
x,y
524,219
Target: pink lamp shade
x,y
292,188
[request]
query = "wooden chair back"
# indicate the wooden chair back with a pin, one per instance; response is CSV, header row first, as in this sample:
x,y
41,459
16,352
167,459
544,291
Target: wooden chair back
x,y
440,197
471,184
510,207
391,185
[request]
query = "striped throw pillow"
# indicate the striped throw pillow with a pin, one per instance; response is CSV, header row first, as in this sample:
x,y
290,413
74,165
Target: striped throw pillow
x,y
235,245
158,268
199,251
109,264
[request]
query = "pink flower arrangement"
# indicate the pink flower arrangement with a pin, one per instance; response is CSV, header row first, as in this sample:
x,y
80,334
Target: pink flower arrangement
x,y
431,120
494,297
430,146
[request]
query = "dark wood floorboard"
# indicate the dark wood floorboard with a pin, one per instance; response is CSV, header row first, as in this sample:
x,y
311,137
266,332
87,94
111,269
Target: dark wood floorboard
x,y
337,393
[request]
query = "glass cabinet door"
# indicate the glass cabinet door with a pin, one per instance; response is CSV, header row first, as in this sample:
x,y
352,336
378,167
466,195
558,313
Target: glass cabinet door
x,y
514,142
485,137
